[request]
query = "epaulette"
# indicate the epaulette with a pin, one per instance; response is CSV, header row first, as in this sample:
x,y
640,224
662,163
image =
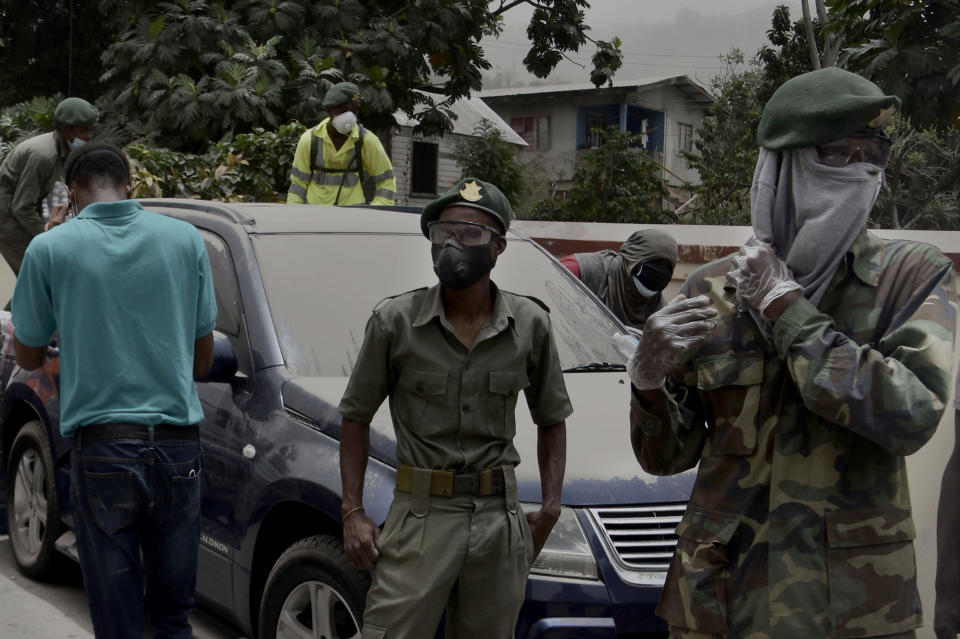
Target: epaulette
x,y
387,299
531,298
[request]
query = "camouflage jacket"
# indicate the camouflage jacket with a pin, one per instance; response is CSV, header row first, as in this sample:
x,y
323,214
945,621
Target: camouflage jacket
x,y
799,525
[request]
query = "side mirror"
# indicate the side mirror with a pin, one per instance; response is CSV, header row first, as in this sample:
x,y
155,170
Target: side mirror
x,y
224,368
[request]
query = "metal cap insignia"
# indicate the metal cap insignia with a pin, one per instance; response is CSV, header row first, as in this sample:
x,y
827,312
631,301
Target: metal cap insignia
x,y
883,117
471,192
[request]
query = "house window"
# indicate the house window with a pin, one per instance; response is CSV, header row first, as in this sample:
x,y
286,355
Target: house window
x,y
423,169
596,126
535,131
685,137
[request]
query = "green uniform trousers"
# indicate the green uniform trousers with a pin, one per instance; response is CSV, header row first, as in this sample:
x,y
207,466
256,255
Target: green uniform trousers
x,y
13,249
464,554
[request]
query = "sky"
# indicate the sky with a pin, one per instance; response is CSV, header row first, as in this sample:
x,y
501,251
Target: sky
x,y
658,38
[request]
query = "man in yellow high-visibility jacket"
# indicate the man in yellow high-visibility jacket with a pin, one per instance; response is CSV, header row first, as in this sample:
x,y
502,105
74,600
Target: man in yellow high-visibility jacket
x,y
340,162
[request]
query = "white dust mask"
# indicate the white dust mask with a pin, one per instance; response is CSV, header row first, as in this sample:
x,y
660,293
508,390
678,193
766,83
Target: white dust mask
x,y
345,122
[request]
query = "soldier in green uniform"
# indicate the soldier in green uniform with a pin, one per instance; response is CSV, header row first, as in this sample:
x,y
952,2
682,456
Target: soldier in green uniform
x,y
29,172
799,373
452,359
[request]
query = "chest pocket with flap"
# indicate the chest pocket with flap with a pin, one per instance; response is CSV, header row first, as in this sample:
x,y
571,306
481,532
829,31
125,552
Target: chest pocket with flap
x,y
729,386
421,400
501,401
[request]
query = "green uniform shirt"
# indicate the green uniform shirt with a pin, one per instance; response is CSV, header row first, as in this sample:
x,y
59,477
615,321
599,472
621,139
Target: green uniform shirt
x,y
453,408
313,183
799,524
26,177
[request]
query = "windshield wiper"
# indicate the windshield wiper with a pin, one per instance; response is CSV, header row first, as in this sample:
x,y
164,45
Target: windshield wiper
x,y
595,367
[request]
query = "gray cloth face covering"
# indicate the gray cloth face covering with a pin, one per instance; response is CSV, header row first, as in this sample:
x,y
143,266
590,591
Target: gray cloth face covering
x,y
608,274
812,213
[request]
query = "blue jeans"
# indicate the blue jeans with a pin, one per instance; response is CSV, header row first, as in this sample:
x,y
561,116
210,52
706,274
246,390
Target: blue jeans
x,y
132,496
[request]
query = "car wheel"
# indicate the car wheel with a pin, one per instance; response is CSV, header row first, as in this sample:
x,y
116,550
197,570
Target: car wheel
x,y
314,592
33,514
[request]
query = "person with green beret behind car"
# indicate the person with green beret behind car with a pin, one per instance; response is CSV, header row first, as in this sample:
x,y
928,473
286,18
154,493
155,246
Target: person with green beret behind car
x,y
798,373
29,172
452,359
339,161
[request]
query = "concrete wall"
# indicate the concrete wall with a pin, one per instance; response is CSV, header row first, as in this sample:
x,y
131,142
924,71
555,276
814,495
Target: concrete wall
x,y
701,244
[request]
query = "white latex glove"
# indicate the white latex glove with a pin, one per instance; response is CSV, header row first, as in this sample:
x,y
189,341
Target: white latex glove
x,y
668,335
625,344
760,276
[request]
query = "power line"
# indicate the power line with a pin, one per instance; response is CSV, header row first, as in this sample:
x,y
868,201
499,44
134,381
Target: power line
x,y
655,55
580,58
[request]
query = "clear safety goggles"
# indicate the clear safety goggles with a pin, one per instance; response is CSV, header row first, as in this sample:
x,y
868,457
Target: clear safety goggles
x,y
467,233
872,148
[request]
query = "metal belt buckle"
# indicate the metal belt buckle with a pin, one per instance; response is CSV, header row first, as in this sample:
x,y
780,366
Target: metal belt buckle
x,y
441,483
485,487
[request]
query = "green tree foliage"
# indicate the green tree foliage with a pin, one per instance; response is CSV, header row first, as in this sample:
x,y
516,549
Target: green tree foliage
x,y
911,49
726,140
616,182
921,191
196,69
726,145
489,157
789,54
50,46
251,167
25,120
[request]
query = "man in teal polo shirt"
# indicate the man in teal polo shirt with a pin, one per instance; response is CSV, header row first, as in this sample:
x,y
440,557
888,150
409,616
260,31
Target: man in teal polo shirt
x,y
131,294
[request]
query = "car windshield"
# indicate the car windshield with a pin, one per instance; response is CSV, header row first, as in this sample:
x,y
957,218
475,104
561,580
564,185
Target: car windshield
x,y
321,289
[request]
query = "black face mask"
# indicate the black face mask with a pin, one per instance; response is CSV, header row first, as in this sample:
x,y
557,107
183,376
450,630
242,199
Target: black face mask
x,y
458,266
652,277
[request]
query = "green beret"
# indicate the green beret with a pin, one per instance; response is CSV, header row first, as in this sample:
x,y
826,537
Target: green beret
x,y
821,106
75,112
473,193
342,93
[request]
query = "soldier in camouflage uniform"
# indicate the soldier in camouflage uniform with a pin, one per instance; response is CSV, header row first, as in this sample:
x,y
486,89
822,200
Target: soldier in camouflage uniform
x,y
799,372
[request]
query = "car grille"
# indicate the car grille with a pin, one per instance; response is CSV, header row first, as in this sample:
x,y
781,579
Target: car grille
x,y
643,537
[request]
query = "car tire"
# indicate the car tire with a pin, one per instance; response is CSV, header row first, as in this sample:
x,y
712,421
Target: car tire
x,y
33,513
313,591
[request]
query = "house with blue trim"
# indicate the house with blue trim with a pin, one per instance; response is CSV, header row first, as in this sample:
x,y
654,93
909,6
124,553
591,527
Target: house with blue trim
x,y
558,123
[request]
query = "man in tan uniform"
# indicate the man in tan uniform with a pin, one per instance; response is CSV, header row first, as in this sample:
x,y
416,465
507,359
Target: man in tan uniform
x,y
29,172
452,359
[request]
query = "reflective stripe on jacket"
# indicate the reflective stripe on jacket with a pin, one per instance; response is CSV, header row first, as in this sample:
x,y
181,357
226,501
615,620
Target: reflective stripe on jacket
x,y
322,183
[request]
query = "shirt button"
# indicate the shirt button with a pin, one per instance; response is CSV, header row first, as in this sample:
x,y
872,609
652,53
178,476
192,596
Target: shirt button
x,y
466,408
419,388
466,365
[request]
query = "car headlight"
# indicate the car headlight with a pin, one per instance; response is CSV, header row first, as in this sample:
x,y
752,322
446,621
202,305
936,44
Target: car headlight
x,y
566,553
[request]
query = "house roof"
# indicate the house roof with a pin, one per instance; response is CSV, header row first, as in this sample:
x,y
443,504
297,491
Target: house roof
x,y
469,112
694,89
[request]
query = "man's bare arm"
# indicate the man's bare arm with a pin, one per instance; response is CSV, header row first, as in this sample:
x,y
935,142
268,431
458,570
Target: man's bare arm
x,y
202,356
552,459
29,357
360,533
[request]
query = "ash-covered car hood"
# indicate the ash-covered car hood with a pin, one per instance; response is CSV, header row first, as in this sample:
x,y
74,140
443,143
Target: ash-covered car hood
x,y
601,467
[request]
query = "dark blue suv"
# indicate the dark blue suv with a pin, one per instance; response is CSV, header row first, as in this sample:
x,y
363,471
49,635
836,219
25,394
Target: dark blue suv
x,y
295,286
